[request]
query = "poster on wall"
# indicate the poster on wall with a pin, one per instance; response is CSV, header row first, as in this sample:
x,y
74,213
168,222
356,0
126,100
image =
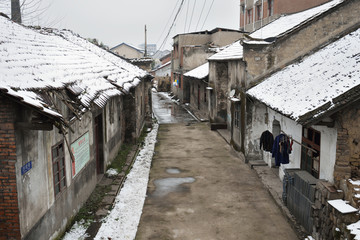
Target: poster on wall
x,y
81,151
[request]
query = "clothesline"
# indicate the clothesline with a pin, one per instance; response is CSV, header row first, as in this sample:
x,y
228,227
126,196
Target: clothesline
x,y
299,142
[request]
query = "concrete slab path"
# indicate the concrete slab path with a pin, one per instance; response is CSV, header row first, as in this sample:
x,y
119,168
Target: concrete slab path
x,y
199,189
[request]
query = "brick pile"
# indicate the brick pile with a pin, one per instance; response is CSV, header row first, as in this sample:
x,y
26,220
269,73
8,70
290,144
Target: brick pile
x,y
329,223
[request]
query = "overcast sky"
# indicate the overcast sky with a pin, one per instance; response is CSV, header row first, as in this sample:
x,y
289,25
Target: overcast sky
x,y
117,21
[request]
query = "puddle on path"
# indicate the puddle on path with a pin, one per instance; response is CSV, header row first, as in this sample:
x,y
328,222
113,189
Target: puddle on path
x,y
165,186
173,170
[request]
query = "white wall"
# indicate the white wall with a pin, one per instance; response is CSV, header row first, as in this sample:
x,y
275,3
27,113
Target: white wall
x,y
259,125
327,152
294,130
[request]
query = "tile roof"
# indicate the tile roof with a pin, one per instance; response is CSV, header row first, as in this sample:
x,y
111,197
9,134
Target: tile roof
x,y
286,23
33,60
200,72
317,84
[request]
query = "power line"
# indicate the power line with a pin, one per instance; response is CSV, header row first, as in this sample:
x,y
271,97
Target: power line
x,y
187,11
172,25
167,22
200,15
192,15
202,27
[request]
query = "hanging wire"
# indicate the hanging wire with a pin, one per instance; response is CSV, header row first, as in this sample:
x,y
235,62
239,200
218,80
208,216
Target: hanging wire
x,y
167,22
172,25
207,15
192,14
202,10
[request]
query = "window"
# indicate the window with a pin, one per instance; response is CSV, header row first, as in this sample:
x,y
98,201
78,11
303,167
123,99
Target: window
x,y
58,161
237,115
249,15
270,7
310,151
205,95
243,9
258,12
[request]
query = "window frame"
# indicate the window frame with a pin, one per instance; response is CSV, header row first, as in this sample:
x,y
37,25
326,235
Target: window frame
x,y
58,157
311,160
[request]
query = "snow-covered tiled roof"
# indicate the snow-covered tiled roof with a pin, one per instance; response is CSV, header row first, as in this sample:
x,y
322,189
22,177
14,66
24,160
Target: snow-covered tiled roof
x,y
232,52
200,72
162,66
41,59
315,82
285,23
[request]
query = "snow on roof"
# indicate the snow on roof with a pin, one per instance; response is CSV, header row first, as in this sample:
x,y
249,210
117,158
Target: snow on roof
x,y
355,229
231,52
342,206
162,66
199,72
41,59
285,23
315,81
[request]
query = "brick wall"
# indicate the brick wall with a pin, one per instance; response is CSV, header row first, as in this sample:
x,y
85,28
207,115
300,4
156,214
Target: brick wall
x,y
348,145
9,210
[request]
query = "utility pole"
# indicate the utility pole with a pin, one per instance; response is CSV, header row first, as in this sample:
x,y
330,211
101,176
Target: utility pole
x,y
15,11
145,54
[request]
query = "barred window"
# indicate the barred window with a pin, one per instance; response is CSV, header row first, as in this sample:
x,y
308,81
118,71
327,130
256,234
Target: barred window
x,y
58,160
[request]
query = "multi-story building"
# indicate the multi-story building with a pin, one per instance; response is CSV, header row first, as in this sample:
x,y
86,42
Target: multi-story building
x,y
191,50
256,13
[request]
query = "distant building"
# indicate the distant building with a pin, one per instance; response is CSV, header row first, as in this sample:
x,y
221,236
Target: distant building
x,y
127,51
190,50
256,13
151,48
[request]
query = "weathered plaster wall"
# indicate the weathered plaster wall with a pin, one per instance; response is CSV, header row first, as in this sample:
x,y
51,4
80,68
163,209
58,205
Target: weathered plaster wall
x,y
127,52
198,93
115,128
257,123
50,213
140,96
223,38
256,118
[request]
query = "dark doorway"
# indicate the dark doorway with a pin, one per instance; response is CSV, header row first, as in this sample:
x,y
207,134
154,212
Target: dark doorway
x,y
99,148
198,96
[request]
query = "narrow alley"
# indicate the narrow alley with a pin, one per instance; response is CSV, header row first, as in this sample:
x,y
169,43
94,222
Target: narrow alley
x,y
199,188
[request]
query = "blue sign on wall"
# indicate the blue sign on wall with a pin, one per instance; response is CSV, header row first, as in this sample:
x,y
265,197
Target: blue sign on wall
x,y
26,168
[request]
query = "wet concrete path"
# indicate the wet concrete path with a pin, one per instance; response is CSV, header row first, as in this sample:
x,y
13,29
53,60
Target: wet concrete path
x,y
166,111
200,189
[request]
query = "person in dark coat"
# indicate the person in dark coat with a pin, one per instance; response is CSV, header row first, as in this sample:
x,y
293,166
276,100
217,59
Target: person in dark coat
x,y
281,150
267,141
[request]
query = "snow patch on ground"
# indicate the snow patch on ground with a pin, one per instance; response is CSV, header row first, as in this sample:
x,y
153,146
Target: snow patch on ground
x,y
123,220
355,229
111,172
77,231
